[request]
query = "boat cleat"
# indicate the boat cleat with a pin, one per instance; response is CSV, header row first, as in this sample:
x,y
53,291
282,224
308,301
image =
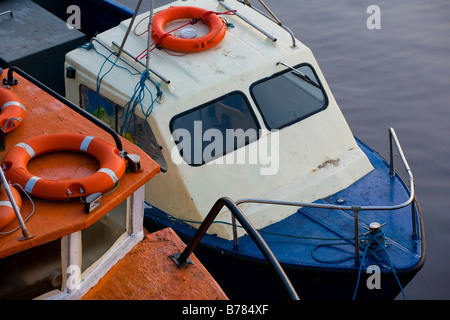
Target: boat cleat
x,y
92,202
133,161
375,231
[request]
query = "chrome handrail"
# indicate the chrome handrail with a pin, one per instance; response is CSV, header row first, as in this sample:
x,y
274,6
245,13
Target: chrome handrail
x,y
181,259
7,12
268,35
355,208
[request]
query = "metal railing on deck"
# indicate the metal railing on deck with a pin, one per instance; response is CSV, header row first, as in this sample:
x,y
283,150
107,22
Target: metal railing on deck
x,y
357,208
271,16
182,258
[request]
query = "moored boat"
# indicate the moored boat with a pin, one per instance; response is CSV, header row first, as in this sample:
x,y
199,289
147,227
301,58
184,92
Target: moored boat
x,y
232,106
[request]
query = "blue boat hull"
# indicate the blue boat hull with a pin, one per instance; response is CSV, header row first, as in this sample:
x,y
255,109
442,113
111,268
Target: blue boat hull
x,y
250,279
315,247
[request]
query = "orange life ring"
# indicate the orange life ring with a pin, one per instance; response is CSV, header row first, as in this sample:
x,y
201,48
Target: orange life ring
x,y
216,26
7,213
12,111
112,165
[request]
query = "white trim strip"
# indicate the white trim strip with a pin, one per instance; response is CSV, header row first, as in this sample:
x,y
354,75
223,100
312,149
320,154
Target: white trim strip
x,y
30,184
5,204
13,103
85,144
27,148
110,173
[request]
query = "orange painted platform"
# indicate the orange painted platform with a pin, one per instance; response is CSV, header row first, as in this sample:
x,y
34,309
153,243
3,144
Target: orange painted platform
x,y
152,274
147,271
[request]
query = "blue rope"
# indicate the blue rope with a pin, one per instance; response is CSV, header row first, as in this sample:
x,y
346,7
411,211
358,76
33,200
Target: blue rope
x,y
90,46
360,268
330,245
128,112
136,100
99,79
375,243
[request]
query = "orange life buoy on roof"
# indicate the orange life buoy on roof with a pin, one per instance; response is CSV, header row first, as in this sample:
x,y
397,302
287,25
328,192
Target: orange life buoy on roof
x,y
12,111
217,29
7,213
112,165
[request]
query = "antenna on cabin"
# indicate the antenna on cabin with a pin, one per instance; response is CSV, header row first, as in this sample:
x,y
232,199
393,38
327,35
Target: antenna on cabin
x,y
129,28
147,65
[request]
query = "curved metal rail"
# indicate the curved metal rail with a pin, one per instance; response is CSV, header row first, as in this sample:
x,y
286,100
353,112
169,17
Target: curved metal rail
x,y
181,259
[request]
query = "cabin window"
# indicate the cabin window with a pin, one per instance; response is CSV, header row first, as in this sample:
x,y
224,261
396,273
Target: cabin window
x,y
31,273
214,129
288,97
139,133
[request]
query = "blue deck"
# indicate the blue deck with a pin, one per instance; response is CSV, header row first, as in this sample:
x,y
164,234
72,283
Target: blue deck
x,y
293,239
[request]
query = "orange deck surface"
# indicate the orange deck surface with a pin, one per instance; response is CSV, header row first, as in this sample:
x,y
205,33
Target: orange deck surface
x,y
152,275
53,219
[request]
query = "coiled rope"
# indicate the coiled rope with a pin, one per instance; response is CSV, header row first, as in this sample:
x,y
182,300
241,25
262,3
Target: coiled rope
x,y
140,91
375,243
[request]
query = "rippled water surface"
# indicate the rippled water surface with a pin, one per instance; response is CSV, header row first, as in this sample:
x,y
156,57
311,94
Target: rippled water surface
x,y
397,76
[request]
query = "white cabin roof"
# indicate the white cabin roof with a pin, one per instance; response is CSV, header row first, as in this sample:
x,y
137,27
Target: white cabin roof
x,y
195,74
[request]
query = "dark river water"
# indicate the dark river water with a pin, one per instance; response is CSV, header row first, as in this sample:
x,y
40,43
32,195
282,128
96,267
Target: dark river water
x,y
395,76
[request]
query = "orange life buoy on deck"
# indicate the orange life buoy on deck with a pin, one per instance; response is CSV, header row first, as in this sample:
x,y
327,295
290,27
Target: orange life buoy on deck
x,y
12,111
112,165
217,29
7,213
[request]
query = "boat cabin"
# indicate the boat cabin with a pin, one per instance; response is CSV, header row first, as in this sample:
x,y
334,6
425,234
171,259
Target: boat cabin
x,y
250,117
